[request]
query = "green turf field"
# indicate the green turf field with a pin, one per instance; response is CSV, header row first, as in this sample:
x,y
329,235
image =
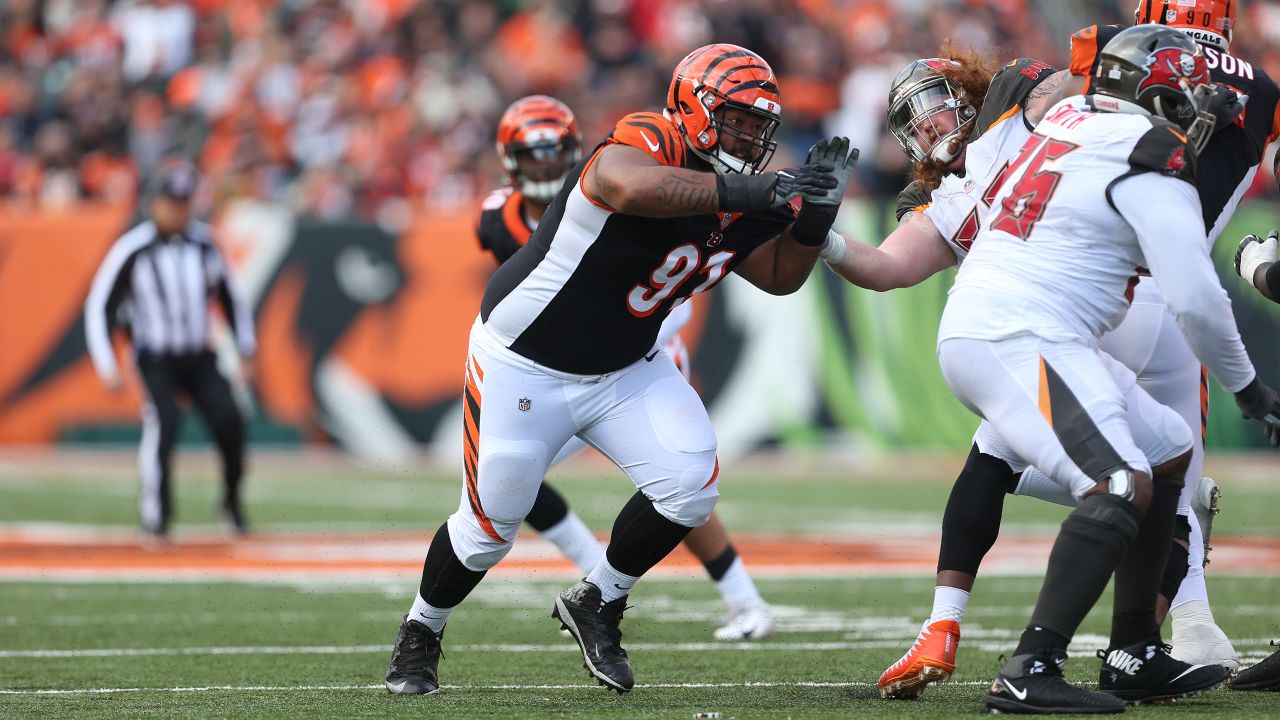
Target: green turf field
x,y
319,648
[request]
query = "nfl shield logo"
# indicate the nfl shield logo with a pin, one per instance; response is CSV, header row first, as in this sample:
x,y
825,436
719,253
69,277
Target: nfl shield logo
x,y
525,404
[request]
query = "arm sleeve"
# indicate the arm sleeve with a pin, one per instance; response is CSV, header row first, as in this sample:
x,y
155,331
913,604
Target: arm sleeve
x,y
233,305
1165,214
110,284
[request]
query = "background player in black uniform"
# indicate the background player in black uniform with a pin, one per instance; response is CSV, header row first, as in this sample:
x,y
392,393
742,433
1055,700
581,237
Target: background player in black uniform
x,y
539,143
565,343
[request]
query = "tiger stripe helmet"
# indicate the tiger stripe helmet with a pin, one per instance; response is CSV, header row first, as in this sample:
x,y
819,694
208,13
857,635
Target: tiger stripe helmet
x,y
1206,21
539,142
716,78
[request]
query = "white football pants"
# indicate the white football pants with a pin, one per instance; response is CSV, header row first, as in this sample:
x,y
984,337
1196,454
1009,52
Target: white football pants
x,y
518,415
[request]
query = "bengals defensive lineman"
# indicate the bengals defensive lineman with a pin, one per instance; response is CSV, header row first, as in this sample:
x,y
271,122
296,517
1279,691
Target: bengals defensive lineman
x,y
565,343
539,143
1018,345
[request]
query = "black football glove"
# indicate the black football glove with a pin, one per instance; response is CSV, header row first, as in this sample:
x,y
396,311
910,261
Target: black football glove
x,y
757,193
1225,104
818,212
1259,402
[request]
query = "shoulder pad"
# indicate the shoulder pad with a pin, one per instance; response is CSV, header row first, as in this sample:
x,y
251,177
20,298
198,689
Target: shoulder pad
x,y
1009,88
1164,149
911,199
654,134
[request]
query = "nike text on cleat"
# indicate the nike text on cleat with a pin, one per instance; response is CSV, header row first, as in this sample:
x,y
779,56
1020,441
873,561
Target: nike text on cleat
x,y
1145,672
414,660
932,658
1263,676
747,622
1032,684
595,627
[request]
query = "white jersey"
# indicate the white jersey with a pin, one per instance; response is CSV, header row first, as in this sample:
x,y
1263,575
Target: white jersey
x,y
959,204
1062,251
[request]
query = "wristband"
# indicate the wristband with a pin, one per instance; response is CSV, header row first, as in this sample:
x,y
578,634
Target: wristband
x,y
834,249
813,224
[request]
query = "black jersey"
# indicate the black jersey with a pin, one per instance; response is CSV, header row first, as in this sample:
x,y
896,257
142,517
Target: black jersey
x,y
503,229
1005,100
1226,167
589,291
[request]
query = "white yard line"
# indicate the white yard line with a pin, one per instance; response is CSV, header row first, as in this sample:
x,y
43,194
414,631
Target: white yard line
x,y
1084,646
304,688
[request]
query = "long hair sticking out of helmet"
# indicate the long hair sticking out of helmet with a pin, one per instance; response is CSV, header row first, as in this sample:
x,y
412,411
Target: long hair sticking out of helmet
x,y
971,76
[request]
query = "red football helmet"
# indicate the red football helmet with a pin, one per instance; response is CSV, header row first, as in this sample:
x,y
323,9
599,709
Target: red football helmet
x,y
1206,21
539,141
707,84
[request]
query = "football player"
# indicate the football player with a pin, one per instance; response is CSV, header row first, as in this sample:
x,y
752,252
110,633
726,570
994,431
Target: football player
x,y
1018,345
565,343
539,143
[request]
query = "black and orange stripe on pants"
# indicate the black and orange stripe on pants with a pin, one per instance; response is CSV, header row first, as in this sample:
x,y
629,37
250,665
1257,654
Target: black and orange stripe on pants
x,y
471,444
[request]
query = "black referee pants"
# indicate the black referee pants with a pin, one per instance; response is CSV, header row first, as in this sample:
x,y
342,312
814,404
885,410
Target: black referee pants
x,y
168,378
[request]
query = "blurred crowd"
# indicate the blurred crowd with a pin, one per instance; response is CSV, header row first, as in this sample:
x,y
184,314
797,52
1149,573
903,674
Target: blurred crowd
x,y
345,108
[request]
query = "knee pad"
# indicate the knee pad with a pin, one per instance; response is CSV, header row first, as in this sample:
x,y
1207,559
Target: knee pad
x,y
508,481
1175,569
475,548
691,503
1113,515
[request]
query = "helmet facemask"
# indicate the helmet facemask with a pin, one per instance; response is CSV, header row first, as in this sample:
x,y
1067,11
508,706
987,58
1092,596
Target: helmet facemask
x,y
748,127
539,166
913,120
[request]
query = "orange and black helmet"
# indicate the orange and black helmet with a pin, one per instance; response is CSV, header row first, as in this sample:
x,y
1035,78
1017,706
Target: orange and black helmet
x,y
1206,21
539,142
712,80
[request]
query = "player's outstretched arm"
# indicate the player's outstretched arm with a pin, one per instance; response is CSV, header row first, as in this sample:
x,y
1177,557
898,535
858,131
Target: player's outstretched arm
x,y
912,253
634,183
1256,264
781,265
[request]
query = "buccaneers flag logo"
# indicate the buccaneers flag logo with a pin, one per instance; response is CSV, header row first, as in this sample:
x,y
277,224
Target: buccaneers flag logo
x,y
1170,67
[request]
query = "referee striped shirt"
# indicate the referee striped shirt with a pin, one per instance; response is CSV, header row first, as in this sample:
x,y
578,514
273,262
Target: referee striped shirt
x,y
159,288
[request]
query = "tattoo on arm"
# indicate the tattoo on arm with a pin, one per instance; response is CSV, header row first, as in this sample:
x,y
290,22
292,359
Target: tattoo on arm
x,y
684,193
1047,94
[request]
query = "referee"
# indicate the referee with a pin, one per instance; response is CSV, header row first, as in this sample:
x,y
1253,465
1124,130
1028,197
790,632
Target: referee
x,y
157,281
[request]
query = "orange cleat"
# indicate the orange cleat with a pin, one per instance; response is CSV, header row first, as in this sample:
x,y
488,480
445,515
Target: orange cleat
x,y
931,659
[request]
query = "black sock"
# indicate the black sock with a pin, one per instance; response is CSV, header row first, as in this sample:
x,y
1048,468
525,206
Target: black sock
x,y
971,522
549,508
1093,539
1175,568
1036,640
641,537
1141,570
720,564
445,580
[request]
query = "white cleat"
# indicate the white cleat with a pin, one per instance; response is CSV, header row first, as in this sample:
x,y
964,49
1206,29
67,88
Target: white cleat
x,y
1205,506
747,622
1199,641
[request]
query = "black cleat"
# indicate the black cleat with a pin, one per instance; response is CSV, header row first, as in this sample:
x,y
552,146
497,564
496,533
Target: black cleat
x,y
1033,685
1263,676
414,659
595,627
1145,672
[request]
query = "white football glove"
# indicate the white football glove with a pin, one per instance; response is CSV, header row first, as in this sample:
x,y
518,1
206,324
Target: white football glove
x,y
1253,252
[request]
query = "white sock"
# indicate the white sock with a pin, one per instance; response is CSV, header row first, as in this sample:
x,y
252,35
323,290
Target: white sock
x,y
736,586
612,583
1192,611
432,617
948,604
575,540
